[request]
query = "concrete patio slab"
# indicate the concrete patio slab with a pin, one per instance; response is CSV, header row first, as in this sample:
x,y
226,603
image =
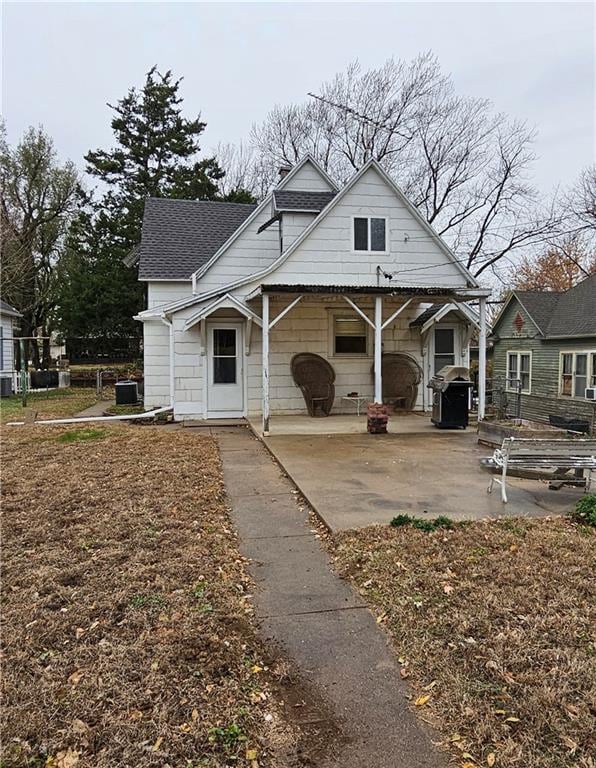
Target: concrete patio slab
x,y
319,622
355,480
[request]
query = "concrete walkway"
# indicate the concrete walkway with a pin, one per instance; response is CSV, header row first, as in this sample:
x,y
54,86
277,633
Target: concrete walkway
x,y
318,620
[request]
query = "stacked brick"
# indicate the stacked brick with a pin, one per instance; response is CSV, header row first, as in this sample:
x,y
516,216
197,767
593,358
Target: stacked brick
x,y
377,418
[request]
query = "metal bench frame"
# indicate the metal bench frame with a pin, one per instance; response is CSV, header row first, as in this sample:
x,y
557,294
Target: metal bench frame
x,y
523,453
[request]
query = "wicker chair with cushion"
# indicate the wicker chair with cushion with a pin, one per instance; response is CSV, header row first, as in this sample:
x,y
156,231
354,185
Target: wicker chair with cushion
x,y
315,377
401,376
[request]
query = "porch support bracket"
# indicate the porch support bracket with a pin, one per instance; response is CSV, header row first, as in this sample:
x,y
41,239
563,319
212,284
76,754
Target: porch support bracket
x,y
397,312
283,313
356,308
248,335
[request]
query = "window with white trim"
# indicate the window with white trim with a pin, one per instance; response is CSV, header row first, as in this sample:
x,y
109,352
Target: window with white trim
x,y
577,372
350,335
369,233
444,347
519,369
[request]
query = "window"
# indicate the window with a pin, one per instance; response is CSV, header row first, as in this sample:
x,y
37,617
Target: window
x,y
224,356
444,348
370,234
519,369
350,336
577,372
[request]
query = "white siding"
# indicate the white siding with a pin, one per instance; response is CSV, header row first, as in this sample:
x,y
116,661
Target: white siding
x,y
156,363
293,225
165,292
250,253
326,256
308,179
7,344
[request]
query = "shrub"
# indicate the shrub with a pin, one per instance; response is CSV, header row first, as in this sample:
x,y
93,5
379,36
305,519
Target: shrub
x,y
422,525
585,510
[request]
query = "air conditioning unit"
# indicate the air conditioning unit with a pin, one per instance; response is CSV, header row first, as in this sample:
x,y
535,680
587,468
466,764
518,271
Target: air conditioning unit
x,y
591,393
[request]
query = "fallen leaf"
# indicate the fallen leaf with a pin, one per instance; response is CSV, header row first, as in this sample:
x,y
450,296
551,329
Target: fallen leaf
x,y
79,632
491,759
157,744
67,759
195,714
512,720
430,686
381,618
569,743
185,728
421,700
256,669
455,737
404,673
74,680
251,754
447,589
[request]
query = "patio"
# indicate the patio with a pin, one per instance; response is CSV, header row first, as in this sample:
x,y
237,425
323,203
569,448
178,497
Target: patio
x,y
353,479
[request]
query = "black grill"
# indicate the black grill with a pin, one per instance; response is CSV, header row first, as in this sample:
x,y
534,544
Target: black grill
x,y
451,394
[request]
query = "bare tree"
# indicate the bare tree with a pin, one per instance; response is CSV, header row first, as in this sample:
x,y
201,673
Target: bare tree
x,y
463,165
37,198
580,203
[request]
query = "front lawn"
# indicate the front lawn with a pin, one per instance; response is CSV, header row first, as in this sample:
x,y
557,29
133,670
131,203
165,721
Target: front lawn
x,y
129,637
53,404
494,625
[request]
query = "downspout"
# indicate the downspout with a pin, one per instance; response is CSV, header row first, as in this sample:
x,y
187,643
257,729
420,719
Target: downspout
x,y
170,326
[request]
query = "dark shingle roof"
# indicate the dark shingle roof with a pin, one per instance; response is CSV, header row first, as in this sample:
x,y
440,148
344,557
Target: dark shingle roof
x,y
540,305
179,236
575,314
290,200
426,315
568,313
6,309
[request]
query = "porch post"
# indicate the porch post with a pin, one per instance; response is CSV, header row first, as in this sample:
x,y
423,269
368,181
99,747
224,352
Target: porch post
x,y
265,363
378,348
482,359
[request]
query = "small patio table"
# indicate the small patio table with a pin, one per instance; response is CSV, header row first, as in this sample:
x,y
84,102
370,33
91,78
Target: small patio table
x,y
357,399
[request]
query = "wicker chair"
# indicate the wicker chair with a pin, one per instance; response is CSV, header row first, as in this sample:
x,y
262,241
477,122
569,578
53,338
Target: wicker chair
x,y
315,377
401,375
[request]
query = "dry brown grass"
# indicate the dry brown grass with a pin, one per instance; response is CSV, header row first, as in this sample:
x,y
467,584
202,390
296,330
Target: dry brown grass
x,y
128,635
54,404
494,623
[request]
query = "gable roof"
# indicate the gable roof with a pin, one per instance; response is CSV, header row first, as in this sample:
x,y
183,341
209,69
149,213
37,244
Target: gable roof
x,y
6,309
575,314
540,305
570,313
178,236
308,159
297,201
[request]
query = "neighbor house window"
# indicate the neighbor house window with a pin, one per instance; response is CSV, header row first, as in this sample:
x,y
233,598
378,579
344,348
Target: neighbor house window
x,y
370,234
350,335
577,372
519,369
444,348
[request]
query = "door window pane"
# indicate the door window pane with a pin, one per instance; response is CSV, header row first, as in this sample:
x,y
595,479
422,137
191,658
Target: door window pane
x,y
524,372
581,375
224,342
377,234
444,341
361,234
567,375
224,370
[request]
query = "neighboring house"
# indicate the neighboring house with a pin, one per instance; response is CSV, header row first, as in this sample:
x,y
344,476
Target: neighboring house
x,y
234,291
547,341
9,318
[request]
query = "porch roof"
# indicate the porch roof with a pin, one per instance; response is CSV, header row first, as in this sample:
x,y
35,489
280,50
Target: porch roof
x,y
387,290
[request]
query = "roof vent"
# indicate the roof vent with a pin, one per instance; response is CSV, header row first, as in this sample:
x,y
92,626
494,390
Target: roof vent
x,y
283,171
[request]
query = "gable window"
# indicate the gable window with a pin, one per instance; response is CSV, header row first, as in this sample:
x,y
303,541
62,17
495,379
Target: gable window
x,y
577,371
370,233
350,335
519,370
444,348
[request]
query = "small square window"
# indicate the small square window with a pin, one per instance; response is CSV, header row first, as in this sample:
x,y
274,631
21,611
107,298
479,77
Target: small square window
x,y
370,234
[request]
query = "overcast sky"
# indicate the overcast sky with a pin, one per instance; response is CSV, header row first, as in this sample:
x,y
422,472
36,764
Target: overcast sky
x,y
63,61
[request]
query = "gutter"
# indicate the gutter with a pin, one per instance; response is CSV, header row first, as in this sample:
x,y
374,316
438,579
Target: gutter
x,y
83,419
170,326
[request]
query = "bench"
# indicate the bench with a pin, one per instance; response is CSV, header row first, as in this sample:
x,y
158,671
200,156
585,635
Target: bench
x,y
557,455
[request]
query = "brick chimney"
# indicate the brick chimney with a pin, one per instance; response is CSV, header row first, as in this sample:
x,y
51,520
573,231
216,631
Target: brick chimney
x,y
283,171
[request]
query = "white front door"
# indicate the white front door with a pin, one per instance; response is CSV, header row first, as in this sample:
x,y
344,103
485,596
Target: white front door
x,y
225,370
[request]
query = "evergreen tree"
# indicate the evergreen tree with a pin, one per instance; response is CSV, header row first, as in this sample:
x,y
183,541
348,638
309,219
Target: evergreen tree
x,y
155,156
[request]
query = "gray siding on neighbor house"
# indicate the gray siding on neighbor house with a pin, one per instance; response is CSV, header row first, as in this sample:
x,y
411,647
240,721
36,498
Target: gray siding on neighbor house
x,y
544,398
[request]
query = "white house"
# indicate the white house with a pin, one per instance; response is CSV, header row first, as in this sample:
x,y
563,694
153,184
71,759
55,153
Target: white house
x,y
8,320
234,291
